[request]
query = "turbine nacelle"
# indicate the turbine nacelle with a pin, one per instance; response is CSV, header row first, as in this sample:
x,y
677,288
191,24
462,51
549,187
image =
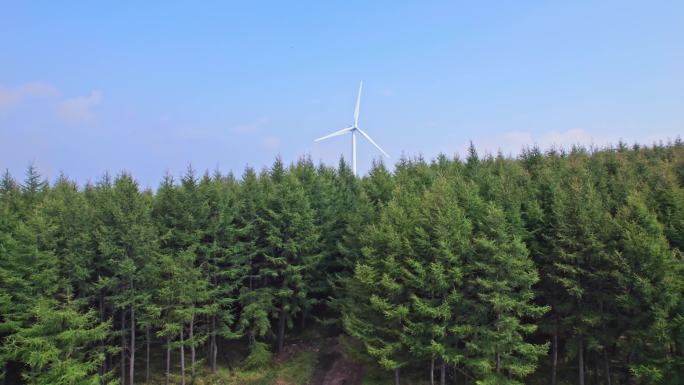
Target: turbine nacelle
x,y
353,129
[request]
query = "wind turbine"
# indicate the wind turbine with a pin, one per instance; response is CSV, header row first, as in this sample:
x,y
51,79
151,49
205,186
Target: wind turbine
x,y
353,129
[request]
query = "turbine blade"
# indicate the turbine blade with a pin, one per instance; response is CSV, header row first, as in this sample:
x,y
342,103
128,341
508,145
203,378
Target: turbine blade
x,y
358,104
372,142
336,133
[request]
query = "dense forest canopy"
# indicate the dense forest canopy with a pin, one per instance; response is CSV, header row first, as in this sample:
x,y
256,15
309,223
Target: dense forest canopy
x,y
556,267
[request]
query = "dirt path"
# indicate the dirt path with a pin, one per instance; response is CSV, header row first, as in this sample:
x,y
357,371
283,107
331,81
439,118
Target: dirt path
x,y
334,369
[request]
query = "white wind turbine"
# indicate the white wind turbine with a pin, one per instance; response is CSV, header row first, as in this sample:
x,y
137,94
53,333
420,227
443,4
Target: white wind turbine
x,y
353,129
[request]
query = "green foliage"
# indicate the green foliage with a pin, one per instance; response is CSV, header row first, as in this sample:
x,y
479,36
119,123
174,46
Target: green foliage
x,y
259,356
564,265
297,370
61,346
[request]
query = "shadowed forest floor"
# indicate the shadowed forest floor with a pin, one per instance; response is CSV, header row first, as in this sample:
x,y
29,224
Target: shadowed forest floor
x,y
301,363
309,359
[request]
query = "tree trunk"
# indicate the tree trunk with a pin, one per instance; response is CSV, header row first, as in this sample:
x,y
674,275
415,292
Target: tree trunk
x,y
103,367
466,379
554,362
213,349
432,371
214,356
498,362
251,286
168,359
442,374
123,347
210,331
581,360
281,328
396,377
147,359
606,365
192,346
131,365
182,355
305,312
110,361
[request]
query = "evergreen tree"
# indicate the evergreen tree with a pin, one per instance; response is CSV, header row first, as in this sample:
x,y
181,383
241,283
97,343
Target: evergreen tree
x,y
126,242
27,273
60,347
436,268
438,244
499,302
288,247
222,263
649,291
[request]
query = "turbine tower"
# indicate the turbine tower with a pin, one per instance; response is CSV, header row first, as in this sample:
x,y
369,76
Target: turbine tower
x,y
353,129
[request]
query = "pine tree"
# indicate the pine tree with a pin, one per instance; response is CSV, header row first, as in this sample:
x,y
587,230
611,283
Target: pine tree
x,y
649,291
125,240
378,184
69,218
579,267
178,212
32,190
60,347
27,273
289,248
378,302
499,302
438,269
221,261
255,299
437,245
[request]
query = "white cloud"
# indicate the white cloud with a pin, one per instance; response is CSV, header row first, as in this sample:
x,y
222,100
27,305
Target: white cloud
x,y
251,127
511,143
10,96
566,139
271,142
387,92
80,108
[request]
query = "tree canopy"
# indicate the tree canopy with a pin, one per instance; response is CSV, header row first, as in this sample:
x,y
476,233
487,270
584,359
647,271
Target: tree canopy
x,y
551,267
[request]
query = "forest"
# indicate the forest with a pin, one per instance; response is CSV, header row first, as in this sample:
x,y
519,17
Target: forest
x,y
551,267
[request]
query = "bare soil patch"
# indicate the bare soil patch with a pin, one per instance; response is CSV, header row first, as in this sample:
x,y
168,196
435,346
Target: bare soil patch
x,y
334,369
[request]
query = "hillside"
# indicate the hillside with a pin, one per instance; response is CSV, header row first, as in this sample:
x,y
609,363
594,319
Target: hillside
x,y
553,267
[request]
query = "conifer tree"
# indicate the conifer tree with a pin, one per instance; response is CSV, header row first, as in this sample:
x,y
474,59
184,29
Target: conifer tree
x,y
60,347
27,273
438,244
499,302
289,248
255,298
222,263
379,301
438,269
580,267
69,219
125,239
32,190
649,291
378,184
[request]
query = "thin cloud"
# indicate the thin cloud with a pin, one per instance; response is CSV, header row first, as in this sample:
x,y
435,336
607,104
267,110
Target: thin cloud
x,y
387,92
512,142
569,138
271,142
10,96
251,127
80,108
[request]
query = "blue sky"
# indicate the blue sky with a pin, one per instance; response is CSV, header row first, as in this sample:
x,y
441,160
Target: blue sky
x,y
150,87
